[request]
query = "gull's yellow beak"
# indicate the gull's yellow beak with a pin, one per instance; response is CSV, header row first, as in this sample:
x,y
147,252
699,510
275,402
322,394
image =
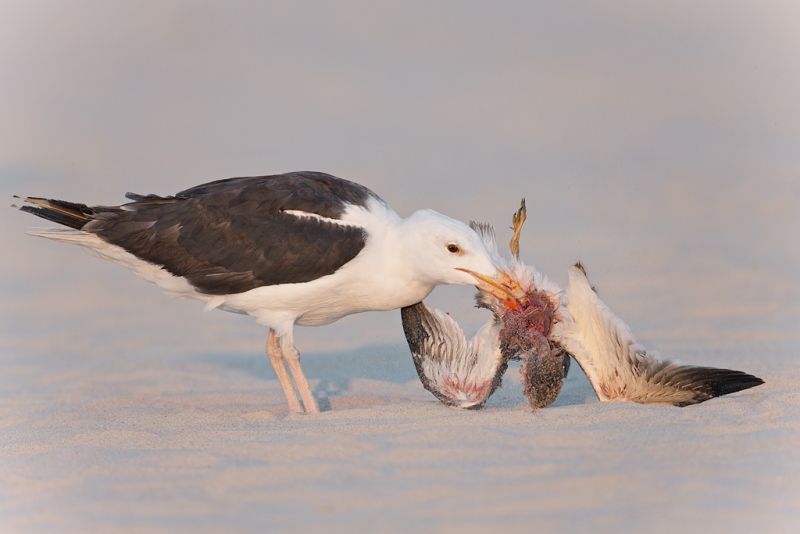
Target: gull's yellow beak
x,y
503,288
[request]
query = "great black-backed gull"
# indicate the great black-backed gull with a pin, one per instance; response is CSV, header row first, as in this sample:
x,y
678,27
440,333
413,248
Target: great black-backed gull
x,y
301,248
536,322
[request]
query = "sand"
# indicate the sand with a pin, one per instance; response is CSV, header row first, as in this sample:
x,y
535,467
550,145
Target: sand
x,y
203,443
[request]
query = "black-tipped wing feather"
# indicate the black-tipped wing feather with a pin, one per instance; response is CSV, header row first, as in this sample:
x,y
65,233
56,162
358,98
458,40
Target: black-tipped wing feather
x,y
707,382
620,369
232,235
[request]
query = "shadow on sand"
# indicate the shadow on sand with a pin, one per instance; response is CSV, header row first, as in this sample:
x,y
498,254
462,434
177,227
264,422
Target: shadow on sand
x,y
334,369
388,363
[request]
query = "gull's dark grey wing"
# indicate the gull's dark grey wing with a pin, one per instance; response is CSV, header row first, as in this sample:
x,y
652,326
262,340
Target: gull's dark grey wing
x,y
458,372
620,369
232,235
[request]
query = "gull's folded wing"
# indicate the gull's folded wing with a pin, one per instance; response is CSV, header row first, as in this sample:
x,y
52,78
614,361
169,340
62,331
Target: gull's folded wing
x,y
458,372
620,369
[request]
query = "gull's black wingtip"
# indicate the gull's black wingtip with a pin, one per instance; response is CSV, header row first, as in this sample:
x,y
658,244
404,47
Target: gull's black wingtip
x,y
69,214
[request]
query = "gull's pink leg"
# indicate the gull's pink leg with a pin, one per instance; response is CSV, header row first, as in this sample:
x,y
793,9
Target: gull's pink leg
x,y
276,359
292,357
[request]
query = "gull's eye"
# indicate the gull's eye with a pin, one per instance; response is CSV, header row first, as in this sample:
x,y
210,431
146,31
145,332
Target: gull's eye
x,y
455,249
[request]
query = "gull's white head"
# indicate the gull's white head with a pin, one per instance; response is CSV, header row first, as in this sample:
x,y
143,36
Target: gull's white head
x,y
445,251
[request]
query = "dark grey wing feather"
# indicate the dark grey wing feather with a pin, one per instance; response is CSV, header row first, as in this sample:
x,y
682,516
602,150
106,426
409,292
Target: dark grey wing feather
x,y
233,235
420,330
313,192
458,372
59,211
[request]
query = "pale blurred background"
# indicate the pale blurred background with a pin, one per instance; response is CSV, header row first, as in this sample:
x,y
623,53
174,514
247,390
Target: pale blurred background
x,y
658,144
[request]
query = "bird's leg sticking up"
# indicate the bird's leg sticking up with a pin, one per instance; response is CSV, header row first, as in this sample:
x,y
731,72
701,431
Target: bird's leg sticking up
x,y
292,357
517,221
276,359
